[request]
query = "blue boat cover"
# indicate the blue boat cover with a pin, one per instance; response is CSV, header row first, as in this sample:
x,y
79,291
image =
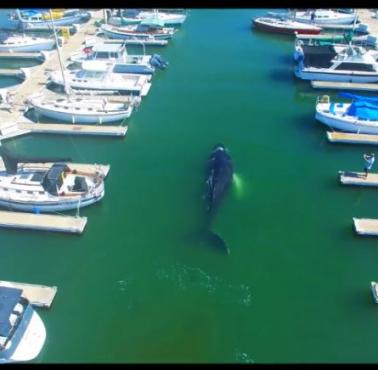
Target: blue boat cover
x,y
363,110
9,297
358,97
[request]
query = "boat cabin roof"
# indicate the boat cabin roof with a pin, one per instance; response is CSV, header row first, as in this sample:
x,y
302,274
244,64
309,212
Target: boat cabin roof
x,y
107,48
9,297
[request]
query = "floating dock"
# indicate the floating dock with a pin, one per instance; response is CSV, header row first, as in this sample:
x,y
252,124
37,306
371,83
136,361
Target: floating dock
x,y
45,222
358,178
72,129
350,138
37,295
344,85
366,226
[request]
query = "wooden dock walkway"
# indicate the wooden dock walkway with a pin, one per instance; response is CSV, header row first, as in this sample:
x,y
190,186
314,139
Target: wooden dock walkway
x,y
37,295
73,129
45,222
358,178
350,138
344,85
366,226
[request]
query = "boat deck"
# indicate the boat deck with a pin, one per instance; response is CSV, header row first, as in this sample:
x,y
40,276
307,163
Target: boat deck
x,y
44,222
345,137
358,178
38,295
366,226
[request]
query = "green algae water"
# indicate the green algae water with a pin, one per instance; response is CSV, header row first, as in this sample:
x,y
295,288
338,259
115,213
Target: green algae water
x,y
137,287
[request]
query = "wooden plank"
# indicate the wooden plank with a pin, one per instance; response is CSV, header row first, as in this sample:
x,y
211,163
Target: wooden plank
x,y
344,85
73,129
37,295
345,137
45,222
366,226
358,178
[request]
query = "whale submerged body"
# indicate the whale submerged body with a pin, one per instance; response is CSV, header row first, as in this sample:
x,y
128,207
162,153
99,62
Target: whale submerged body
x,y
218,180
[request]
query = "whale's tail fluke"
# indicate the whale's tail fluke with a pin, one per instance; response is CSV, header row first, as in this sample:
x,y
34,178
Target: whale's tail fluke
x,y
216,241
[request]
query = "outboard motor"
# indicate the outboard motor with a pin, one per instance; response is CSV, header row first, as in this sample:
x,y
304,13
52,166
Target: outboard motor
x,y
158,62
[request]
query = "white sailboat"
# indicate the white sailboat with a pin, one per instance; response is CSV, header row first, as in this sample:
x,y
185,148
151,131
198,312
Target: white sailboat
x,y
79,109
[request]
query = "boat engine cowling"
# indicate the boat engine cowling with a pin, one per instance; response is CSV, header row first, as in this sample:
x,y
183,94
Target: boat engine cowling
x,y
158,62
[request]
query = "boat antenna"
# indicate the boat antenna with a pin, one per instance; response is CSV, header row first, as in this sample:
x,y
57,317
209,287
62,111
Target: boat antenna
x,y
58,49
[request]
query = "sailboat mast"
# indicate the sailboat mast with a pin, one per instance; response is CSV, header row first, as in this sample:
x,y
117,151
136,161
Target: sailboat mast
x,y
58,49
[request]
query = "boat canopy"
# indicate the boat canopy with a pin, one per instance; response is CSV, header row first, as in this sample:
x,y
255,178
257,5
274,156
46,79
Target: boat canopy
x,y
363,110
11,160
54,177
318,56
152,22
369,99
9,297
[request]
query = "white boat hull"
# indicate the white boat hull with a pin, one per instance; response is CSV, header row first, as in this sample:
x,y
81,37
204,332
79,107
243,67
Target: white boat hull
x,y
115,34
340,19
344,123
53,206
47,45
83,118
336,76
26,343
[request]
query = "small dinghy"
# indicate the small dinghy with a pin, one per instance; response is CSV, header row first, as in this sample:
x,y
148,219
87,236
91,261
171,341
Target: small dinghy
x,y
285,26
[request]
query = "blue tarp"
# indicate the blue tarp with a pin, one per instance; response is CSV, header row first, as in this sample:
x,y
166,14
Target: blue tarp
x,y
363,110
9,297
359,97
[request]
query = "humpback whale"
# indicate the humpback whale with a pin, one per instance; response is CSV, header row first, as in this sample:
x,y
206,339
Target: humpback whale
x,y
218,179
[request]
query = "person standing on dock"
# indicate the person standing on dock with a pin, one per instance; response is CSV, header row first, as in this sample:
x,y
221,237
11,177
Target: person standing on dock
x,y
369,161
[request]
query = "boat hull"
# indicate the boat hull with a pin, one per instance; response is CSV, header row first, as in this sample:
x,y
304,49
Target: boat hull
x,y
132,35
46,25
83,118
336,77
54,206
285,30
47,45
28,339
347,124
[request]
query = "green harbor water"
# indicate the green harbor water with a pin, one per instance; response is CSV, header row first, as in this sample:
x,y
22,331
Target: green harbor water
x,y
137,287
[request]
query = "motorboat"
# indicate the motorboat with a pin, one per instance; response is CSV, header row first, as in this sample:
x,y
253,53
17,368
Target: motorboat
x,y
286,26
324,63
137,16
359,116
325,17
142,30
374,290
14,43
38,22
22,332
125,83
27,186
114,56
82,110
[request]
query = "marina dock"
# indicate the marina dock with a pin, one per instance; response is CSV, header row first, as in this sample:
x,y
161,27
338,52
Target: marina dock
x,y
38,295
344,85
366,226
44,222
38,77
350,138
72,129
358,178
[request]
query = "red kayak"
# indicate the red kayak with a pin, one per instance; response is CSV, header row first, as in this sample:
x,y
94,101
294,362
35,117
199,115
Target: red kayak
x,y
285,26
